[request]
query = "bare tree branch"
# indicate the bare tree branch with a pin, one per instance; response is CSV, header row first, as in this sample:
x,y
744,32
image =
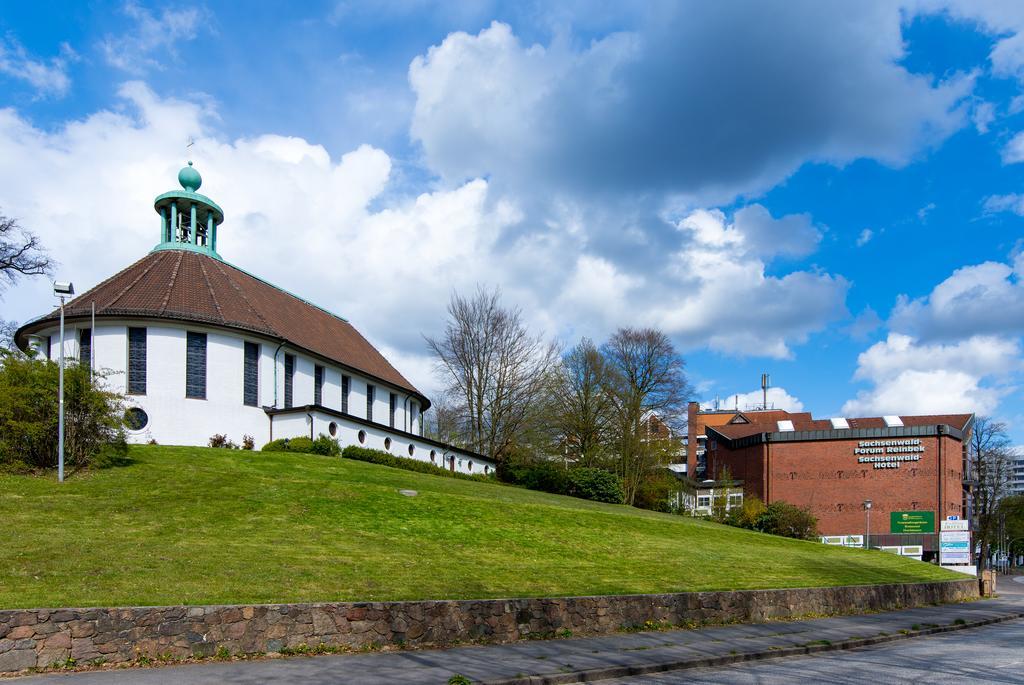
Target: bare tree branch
x,y
21,253
495,371
991,457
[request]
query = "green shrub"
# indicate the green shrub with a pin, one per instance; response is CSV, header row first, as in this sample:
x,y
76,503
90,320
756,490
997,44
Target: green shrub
x,y
550,476
655,491
746,516
595,484
382,458
93,417
543,475
303,445
326,446
788,520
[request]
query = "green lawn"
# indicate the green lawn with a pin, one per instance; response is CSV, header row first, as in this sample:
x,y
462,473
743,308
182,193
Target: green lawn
x,y
198,526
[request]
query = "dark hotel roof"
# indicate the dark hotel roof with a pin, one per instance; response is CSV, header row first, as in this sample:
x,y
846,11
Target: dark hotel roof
x,y
182,285
754,428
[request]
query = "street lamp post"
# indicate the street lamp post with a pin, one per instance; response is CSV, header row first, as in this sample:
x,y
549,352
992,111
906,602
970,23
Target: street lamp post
x,y
61,289
867,531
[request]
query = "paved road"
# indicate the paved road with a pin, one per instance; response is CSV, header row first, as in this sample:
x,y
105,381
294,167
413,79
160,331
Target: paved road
x,y
483,663
991,654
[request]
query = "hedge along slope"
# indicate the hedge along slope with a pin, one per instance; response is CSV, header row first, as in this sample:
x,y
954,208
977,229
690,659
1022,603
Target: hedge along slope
x,y
187,525
383,458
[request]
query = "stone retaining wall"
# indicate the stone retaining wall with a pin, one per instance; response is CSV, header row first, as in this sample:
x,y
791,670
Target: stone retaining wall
x,y
43,637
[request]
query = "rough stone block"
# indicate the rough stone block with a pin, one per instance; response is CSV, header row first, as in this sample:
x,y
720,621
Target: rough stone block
x,y
17,660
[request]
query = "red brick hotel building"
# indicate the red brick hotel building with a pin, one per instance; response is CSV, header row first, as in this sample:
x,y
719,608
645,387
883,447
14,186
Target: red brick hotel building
x,y
900,463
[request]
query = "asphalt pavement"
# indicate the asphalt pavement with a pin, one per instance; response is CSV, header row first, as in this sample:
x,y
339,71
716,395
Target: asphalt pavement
x,y
993,651
990,654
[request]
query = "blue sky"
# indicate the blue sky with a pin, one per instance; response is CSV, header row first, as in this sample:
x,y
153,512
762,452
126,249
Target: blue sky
x,y
827,192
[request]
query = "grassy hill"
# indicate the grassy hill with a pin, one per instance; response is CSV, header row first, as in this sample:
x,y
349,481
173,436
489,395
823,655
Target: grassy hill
x,y
195,525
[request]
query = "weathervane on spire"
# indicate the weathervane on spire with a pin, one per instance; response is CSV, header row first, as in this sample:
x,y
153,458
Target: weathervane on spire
x,y
188,145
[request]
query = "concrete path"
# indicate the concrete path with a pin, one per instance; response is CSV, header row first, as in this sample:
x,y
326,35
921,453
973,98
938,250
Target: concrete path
x,y
571,660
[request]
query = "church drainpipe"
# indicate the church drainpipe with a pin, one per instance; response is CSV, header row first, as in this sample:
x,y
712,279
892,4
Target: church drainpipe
x,y
278,350
310,425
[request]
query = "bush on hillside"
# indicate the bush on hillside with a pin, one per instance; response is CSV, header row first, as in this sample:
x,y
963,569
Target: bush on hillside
x,y
656,491
788,520
93,417
747,515
304,445
595,484
222,441
326,445
543,475
549,476
383,458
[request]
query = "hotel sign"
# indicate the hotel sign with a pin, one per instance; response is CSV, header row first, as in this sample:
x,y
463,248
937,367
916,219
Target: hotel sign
x,y
912,522
888,454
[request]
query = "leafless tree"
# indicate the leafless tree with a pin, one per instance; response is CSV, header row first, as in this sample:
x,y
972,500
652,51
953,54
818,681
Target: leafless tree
x,y
582,407
21,254
646,375
441,422
991,457
496,372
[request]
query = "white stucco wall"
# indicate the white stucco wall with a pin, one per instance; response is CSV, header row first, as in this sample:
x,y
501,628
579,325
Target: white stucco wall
x,y
177,420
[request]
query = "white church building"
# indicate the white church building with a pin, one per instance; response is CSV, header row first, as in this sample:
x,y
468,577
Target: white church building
x,y
200,347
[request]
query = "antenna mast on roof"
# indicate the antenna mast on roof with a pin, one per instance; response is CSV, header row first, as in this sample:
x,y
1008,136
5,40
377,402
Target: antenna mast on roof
x,y
764,389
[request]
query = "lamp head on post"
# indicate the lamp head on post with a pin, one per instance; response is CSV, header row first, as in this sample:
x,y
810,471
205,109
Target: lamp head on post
x,y
63,289
867,505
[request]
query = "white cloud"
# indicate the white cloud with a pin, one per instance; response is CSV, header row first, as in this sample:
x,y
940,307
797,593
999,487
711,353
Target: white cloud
x,y
1011,202
133,51
982,116
865,237
48,78
1013,151
778,398
319,226
910,377
983,298
644,110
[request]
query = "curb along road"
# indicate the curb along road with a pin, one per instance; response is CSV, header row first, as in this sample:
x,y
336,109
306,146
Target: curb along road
x,y
597,674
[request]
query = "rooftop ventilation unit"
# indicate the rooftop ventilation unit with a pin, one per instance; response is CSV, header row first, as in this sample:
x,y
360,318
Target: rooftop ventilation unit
x,y
893,421
786,426
839,422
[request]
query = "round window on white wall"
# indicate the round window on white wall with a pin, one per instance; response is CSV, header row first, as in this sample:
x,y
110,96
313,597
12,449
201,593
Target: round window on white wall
x,y
362,437
135,418
333,429
412,449
387,444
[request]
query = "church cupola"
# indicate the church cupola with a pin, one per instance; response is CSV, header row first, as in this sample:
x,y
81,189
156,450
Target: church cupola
x,y
188,220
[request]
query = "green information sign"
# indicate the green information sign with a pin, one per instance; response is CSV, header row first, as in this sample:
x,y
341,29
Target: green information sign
x,y
912,522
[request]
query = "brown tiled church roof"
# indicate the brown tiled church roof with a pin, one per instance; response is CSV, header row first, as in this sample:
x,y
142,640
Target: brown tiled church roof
x,y
181,285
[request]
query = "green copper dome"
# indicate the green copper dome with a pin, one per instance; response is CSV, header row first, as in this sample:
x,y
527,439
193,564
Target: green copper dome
x,y
190,179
